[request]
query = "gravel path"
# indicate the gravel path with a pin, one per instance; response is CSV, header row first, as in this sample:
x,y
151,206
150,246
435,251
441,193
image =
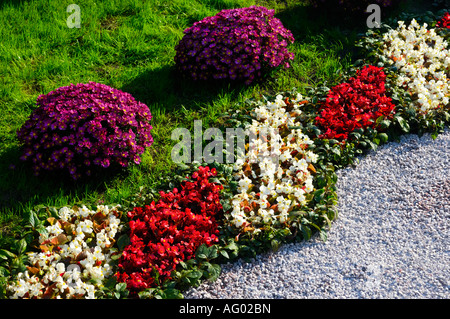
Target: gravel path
x,y
391,238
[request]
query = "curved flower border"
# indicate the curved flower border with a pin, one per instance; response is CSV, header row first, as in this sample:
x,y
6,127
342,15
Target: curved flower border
x,y
78,249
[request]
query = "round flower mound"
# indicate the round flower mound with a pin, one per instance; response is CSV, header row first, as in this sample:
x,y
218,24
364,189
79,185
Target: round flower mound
x,y
75,256
355,104
422,59
81,127
164,233
235,44
269,190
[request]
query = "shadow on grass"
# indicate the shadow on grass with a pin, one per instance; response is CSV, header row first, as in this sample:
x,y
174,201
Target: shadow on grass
x,y
322,28
167,90
20,190
5,3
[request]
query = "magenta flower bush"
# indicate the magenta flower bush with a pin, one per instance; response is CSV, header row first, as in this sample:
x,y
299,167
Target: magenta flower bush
x,y
79,128
235,44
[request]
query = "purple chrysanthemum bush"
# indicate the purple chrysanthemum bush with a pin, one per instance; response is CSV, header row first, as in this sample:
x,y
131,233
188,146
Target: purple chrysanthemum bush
x,y
83,127
236,44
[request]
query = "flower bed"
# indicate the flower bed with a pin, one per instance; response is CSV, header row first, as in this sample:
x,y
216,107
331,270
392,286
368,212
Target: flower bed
x,y
168,232
281,190
355,104
269,190
422,59
75,255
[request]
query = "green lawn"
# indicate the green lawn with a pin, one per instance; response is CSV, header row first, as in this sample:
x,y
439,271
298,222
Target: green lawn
x,y
129,45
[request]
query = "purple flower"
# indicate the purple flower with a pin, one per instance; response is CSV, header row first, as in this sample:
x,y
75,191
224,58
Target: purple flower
x,y
81,126
214,45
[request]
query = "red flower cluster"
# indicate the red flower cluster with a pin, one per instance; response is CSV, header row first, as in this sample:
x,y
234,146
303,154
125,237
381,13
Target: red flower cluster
x,y
355,104
444,22
170,231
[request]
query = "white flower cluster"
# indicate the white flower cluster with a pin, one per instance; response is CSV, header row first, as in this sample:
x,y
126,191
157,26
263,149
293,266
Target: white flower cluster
x,y
275,174
74,257
423,61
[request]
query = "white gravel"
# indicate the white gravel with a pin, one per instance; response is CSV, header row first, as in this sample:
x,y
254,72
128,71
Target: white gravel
x,y
391,238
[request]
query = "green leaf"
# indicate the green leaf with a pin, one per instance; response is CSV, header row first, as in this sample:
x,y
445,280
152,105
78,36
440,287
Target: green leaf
x,y
214,272
224,253
212,252
123,241
194,274
54,212
172,294
356,135
31,219
434,135
333,141
201,256
146,294
318,195
121,286
110,282
383,137
446,116
275,244
403,124
5,254
336,151
22,246
372,145
204,252
323,235
4,272
306,231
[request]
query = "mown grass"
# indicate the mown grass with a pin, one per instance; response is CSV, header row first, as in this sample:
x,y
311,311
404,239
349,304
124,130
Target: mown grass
x,y
130,45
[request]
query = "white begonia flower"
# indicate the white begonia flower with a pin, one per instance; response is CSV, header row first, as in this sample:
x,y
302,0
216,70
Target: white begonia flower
x,y
65,213
60,268
21,288
86,226
311,157
283,217
265,215
103,238
88,261
76,246
98,254
84,211
55,229
244,184
96,272
309,185
285,156
239,220
35,289
301,165
299,194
